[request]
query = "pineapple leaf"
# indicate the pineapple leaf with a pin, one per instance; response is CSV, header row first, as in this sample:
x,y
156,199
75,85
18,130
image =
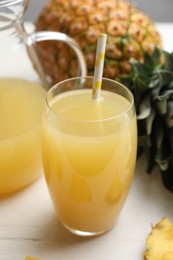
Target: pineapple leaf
x,y
144,108
156,57
141,82
161,106
170,108
149,122
139,68
163,164
154,81
152,62
151,83
168,64
165,95
166,77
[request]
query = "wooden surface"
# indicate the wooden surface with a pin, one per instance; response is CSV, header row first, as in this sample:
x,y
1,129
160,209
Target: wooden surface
x,y
28,225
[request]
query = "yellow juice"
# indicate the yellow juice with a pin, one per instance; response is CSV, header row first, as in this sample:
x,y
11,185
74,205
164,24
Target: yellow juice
x,y
21,104
89,156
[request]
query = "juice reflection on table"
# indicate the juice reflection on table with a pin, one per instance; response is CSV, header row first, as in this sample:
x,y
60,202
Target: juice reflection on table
x,y
21,104
89,158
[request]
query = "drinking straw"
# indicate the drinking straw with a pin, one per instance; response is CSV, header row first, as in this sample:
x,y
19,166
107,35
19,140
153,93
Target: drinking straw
x,y
98,70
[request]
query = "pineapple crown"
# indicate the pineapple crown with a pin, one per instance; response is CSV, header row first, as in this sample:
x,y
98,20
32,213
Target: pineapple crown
x,y
151,83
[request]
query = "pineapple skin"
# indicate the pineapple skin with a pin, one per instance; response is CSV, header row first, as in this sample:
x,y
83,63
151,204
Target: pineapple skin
x,y
130,33
160,241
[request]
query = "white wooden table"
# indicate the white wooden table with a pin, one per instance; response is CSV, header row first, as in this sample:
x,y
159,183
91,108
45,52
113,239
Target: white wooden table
x,y
28,225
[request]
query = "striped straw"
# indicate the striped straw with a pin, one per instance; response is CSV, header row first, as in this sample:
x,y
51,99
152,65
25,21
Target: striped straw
x,y
98,71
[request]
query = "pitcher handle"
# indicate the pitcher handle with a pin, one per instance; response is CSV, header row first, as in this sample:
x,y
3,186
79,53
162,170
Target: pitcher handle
x,y
51,35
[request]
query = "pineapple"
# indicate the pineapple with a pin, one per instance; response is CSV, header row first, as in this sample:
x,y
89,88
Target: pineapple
x,y
160,241
151,83
130,33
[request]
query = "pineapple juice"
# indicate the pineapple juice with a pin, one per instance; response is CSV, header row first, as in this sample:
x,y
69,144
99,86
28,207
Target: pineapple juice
x,y
21,104
89,153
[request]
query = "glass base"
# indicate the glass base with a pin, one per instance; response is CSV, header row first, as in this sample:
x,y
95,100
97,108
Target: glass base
x,y
86,233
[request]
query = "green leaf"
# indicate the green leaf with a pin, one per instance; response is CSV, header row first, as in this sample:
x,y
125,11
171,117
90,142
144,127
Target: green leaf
x,y
149,121
142,140
165,95
168,64
144,108
156,57
151,82
161,106
169,121
139,68
170,108
154,81
163,164
166,77
167,175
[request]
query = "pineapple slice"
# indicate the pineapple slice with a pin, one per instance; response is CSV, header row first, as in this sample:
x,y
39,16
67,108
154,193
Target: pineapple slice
x,y
160,241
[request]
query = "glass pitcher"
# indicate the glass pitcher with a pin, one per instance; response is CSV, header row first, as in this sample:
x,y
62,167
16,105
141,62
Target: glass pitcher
x,y
22,90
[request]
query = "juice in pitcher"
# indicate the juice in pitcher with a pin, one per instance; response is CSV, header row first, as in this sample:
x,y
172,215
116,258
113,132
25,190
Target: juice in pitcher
x,y
21,106
89,154
21,99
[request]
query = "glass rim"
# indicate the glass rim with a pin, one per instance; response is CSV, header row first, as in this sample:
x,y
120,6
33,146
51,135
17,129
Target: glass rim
x,y
93,120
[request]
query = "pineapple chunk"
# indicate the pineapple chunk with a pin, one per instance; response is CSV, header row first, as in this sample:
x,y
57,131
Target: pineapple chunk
x,y
160,241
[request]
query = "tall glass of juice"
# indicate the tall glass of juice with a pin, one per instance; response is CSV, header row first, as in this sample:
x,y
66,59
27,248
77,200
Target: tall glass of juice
x,y
89,152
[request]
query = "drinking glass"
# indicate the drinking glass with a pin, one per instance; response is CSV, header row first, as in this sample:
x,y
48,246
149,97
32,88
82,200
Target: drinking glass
x,y
89,152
